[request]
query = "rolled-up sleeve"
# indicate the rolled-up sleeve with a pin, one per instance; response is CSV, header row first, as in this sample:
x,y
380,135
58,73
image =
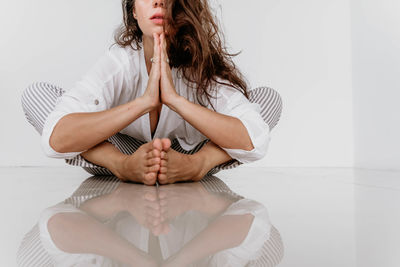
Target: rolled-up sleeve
x,y
233,103
94,92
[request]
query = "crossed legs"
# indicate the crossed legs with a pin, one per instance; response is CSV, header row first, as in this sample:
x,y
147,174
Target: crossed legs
x,y
131,159
157,161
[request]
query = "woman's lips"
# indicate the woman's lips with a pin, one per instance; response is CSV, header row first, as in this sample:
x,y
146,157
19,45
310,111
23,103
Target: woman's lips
x,y
157,20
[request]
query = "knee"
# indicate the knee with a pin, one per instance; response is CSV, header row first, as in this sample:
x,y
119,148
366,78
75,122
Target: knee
x,y
38,89
270,102
28,92
264,94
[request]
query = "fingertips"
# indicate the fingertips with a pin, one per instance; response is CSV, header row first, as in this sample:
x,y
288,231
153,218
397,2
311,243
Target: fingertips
x,y
156,37
155,41
156,44
162,37
163,44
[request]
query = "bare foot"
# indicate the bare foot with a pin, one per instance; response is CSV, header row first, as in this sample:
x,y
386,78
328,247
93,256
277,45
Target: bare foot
x,y
177,166
143,165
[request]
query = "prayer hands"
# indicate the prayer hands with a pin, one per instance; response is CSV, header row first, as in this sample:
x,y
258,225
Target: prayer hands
x,y
168,92
160,87
152,93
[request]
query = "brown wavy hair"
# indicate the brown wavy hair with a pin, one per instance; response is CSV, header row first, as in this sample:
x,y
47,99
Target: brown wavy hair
x,y
195,46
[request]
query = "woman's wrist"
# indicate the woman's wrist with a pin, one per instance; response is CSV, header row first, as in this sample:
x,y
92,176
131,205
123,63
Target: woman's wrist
x,y
147,103
175,102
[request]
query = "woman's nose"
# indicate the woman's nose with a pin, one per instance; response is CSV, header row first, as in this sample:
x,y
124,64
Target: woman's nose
x,y
158,3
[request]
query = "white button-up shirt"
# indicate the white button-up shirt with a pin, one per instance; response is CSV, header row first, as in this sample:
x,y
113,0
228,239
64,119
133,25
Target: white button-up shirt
x,y
120,76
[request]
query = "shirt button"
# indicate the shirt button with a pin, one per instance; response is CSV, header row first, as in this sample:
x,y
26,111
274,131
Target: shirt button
x,y
96,102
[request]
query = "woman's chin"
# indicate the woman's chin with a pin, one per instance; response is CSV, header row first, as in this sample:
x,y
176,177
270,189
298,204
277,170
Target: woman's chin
x,y
149,35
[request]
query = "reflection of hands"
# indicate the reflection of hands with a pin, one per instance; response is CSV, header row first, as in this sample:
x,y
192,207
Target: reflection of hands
x,y
176,199
142,203
75,233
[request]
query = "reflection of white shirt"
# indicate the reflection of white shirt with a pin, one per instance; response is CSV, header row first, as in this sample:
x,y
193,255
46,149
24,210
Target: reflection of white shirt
x,y
187,226
120,76
183,229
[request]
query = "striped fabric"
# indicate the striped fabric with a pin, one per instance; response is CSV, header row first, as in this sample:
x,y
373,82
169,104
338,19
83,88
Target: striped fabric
x,y
39,99
31,252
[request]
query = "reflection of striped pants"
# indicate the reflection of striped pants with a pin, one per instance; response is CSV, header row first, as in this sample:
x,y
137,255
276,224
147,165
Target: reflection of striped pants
x,y
37,248
39,99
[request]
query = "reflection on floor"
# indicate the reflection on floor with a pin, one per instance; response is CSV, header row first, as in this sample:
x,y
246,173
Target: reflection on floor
x,y
106,222
310,216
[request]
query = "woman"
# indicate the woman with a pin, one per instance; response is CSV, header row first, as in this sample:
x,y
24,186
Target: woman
x,y
169,78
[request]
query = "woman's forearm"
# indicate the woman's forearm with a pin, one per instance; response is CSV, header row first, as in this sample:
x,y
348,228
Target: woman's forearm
x,y
102,207
81,131
225,232
78,233
223,130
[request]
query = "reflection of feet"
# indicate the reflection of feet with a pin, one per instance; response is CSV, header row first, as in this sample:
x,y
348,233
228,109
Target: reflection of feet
x,y
177,166
143,165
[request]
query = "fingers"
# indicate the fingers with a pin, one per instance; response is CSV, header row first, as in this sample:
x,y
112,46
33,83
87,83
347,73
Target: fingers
x,y
152,90
157,48
155,68
163,46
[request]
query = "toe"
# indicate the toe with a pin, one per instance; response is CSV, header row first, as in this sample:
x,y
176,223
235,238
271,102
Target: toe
x,y
162,178
153,168
153,161
163,170
164,163
164,155
150,178
157,144
166,144
155,153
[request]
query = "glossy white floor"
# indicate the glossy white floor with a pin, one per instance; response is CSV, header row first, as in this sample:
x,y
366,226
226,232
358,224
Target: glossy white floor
x,y
330,217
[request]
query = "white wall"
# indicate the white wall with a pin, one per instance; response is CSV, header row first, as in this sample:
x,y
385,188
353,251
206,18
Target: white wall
x,y
376,84
44,40
300,48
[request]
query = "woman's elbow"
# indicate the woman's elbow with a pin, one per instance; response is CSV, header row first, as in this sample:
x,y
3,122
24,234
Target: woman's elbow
x,y
52,150
249,147
57,144
258,152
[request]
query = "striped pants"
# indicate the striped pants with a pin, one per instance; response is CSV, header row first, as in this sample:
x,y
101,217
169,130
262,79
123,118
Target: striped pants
x,y
38,101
